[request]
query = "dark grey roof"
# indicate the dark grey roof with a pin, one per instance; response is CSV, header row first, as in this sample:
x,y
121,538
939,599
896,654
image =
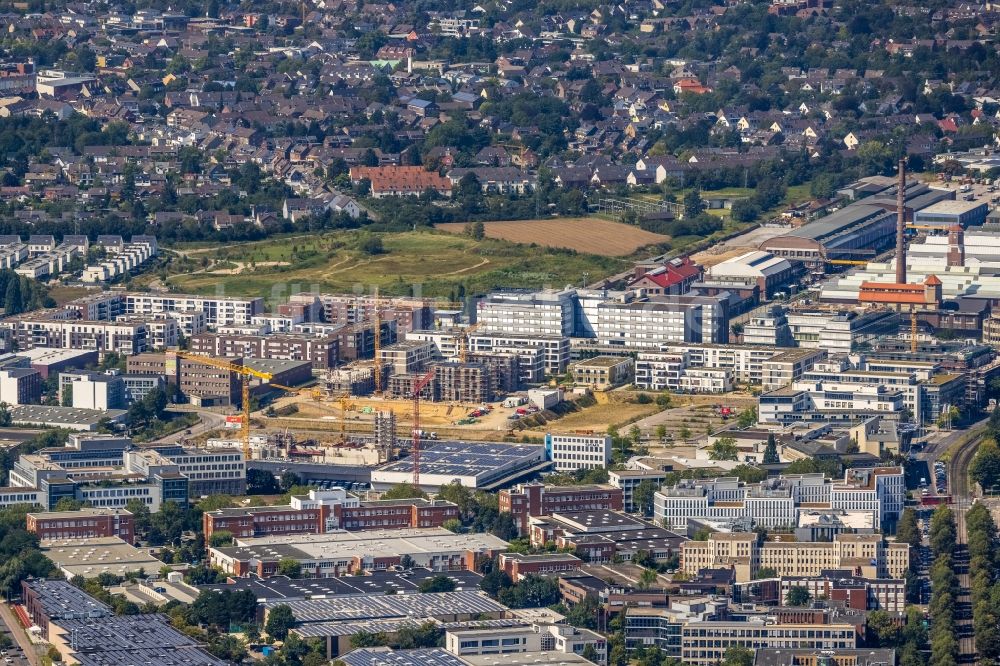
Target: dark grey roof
x,y
59,599
388,657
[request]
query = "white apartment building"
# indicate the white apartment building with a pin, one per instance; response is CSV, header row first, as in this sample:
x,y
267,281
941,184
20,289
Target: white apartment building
x,y
569,453
140,250
535,638
223,311
549,312
837,331
828,400
189,322
622,320
555,348
778,502
648,324
103,336
674,371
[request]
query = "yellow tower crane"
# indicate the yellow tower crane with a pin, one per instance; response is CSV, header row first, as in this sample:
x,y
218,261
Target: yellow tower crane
x,y
245,375
463,342
376,367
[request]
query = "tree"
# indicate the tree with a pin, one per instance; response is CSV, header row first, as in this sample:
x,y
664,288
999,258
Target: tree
x,y
724,448
289,479
453,525
694,205
13,299
262,482
371,245
985,467
289,567
765,572
69,504
647,578
771,451
942,531
907,530
439,583
883,627
220,538
747,417
280,620
737,655
477,230
798,596
642,496
404,491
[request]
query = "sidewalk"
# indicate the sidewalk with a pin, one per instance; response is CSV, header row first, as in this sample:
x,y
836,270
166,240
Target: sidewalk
x,y
18,634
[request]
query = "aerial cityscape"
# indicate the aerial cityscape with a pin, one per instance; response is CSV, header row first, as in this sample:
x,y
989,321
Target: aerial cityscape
x,y
444,333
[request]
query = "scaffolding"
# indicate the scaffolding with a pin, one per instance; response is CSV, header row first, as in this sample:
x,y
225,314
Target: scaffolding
x,y
385,430
615,206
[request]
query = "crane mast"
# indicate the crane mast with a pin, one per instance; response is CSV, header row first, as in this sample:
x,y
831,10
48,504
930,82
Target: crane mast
x,y
418,386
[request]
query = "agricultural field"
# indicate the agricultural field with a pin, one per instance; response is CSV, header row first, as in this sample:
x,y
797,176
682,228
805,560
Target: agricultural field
x,y
593,235
431,263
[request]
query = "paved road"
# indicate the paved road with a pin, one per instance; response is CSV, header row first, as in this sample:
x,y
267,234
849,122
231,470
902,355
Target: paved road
x,y
26,655
209,421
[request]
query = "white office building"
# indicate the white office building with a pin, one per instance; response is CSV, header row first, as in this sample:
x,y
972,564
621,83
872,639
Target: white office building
x,y
778,502
569,453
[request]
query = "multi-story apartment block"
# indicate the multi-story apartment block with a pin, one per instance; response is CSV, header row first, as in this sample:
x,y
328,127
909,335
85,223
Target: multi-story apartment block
x,y
407,356
645,324
555,349
20,386
541,313
102,306
85,523
866,555
410,314
530,500
100,336
223,311
320,350
778,502
569,453
771,367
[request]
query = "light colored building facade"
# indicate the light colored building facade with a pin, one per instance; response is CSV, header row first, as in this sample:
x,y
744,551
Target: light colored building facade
x,y
569,453
778,502
866,555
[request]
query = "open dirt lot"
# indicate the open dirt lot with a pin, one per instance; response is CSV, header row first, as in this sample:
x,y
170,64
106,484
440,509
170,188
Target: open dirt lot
x,y
583,234
734,247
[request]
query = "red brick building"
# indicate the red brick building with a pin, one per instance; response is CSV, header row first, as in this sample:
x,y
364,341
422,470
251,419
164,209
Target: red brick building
x,y
83,524
530,500
517,565
324,511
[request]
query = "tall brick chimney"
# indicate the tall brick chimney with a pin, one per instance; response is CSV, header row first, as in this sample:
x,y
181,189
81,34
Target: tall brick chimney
x,y
901,225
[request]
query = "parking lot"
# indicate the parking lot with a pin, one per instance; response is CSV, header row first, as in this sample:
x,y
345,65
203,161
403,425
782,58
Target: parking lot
x,y
978,191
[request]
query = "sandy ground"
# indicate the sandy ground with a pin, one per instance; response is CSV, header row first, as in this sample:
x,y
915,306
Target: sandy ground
x,y
734,247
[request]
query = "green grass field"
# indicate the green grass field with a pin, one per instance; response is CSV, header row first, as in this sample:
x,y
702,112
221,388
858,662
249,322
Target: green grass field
x,y
427,262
